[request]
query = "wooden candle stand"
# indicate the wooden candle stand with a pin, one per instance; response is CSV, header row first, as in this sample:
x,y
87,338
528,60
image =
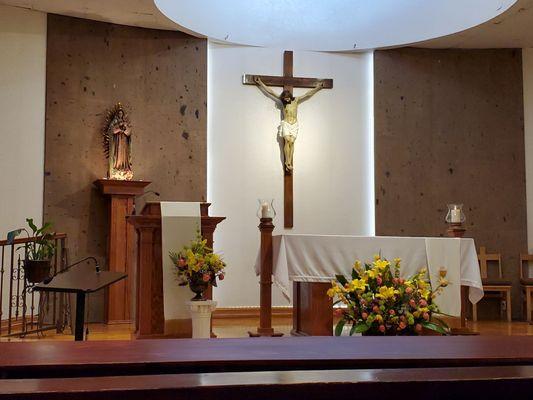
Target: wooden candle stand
x,y
456,229
265,317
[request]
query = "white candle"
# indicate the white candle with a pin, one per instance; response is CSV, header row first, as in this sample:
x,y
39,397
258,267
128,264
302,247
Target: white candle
x,y
264,210
456,215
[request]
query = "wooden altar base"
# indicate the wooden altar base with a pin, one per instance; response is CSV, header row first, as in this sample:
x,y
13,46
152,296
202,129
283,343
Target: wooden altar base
x,y
312,310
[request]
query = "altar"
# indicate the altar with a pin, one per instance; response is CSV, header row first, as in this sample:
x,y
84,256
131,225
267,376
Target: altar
x,y
310,262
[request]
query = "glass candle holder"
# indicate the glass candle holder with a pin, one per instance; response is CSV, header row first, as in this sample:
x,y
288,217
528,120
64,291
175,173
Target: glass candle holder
x,y
266,208
455,214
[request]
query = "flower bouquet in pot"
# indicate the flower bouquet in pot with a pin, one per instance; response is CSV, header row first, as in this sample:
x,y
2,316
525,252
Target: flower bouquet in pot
x,y
379,302
198,267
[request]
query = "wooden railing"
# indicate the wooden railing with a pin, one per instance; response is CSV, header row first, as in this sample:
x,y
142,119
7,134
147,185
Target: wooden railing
x,y
21,310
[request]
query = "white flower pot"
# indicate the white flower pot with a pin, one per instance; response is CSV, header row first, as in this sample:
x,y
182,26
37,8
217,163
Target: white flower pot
x,y
201,317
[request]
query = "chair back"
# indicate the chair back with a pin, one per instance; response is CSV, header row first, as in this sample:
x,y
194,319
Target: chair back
x,y
525,259
485,258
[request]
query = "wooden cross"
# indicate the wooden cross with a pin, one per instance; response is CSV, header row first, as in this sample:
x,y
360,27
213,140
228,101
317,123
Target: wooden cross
x,y
288,82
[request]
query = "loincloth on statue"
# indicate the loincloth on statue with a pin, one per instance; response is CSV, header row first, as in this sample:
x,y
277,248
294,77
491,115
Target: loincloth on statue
x,y
288,130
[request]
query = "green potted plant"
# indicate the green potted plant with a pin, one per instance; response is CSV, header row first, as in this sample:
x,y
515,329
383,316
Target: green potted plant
x,y
38,252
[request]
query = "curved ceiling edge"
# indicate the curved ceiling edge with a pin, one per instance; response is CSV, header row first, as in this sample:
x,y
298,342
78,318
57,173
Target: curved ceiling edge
x,y
329,25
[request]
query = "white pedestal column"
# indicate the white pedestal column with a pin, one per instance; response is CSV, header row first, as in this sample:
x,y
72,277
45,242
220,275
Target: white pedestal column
x,y
201,317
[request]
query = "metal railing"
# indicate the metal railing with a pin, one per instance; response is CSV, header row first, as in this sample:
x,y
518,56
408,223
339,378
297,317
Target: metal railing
x,y
22,311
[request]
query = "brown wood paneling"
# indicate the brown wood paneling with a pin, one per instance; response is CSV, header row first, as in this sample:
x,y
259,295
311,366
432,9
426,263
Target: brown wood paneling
x,y
161,77
313,309
449,128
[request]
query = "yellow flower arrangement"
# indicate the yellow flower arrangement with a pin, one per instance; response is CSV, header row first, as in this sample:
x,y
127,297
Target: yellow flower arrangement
x,y
197,266
379,301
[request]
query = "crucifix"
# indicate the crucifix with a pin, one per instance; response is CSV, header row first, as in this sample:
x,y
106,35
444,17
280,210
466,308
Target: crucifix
x,y
288,129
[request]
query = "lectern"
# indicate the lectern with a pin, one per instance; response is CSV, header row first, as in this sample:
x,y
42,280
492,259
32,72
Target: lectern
x,y
150,316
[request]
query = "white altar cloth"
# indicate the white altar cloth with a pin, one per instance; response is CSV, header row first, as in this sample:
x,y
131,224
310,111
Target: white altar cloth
x,y
179,223
318,258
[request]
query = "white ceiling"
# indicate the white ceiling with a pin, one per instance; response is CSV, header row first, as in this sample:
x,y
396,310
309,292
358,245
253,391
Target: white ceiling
x,y
512,29
142,13
378,26
329,25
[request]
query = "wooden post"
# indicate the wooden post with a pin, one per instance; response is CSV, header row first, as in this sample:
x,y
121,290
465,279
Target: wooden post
x,y
149,315
265,284
121,246
209,224
288,203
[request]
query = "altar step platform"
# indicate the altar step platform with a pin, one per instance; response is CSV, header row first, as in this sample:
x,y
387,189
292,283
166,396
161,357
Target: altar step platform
x,y
270,368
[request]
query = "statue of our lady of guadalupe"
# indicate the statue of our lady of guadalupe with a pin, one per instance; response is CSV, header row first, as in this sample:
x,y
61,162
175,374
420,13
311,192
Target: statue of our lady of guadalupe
x,y
117,144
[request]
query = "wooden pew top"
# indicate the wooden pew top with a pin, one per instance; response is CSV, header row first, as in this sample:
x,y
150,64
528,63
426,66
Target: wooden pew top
x,y
367,383
142,357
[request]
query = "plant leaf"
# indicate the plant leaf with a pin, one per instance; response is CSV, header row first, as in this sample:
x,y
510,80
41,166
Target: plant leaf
x,y
440,321
32,226
434,327
360,328
339,327
12,235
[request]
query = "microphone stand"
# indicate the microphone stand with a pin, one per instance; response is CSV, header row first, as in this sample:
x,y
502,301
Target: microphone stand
x,y
97,267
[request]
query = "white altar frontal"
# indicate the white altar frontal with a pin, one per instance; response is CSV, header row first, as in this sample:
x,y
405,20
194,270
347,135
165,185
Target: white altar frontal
x,y
318,258
180,223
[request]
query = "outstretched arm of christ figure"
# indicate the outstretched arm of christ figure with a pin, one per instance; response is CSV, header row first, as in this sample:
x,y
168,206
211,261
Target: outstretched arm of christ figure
x,y
266,89
308,94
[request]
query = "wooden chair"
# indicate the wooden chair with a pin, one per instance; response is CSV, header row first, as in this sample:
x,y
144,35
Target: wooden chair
x,y
527,282
498,285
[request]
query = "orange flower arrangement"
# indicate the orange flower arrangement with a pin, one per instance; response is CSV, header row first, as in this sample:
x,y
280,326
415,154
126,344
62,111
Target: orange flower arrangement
x,y
379,302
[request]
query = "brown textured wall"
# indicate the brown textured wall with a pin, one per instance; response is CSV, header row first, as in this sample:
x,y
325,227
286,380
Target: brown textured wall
x,y
449,128
161,77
